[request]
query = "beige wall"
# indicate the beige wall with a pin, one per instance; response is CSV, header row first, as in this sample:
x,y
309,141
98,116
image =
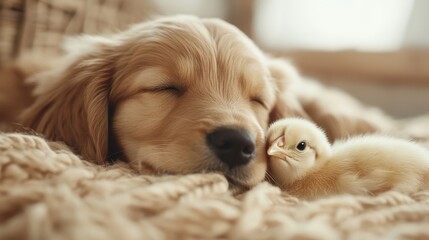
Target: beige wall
x,y
397,100
417,34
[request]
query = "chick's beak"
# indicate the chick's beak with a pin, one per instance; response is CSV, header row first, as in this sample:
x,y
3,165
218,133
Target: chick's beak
x,y
275,148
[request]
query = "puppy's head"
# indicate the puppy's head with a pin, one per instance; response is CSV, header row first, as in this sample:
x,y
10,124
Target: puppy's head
x,y
176,95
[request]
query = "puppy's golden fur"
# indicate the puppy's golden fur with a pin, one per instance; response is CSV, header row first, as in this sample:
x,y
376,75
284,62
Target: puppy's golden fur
x,y
151,93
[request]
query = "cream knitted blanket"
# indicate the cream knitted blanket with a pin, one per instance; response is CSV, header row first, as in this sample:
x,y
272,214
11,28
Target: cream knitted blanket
x,y
53,194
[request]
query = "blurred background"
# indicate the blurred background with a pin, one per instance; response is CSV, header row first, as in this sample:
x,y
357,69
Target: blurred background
x,y
378,51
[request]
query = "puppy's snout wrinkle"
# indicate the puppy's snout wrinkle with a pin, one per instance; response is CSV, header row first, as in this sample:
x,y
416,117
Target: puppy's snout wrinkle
x,y
233,146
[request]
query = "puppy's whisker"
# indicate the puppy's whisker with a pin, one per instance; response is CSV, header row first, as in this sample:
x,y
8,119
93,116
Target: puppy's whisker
x,y
269,177
272,179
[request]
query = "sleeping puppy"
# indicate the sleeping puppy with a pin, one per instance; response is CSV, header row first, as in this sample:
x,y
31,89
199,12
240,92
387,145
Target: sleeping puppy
x,y
174,95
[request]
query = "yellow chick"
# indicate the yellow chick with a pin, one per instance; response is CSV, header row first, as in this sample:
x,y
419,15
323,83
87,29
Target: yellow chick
x,y
302,162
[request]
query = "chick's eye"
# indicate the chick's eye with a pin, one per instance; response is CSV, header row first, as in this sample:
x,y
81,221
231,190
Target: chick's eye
x,y
301,146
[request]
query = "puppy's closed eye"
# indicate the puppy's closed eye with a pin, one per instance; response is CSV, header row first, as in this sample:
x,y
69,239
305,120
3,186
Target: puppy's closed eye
x,y
168,88
260,102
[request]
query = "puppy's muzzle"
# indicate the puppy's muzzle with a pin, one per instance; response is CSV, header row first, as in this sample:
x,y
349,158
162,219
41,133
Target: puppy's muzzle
x,y
232,146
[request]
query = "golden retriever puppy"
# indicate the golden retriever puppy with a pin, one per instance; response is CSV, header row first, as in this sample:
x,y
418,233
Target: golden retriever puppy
x,y
174,95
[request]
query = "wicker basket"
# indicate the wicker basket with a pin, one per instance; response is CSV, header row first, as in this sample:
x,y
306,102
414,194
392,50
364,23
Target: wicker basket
x,y
41,24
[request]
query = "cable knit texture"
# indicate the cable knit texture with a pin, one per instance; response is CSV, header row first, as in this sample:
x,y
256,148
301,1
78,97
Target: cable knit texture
x,y
48,192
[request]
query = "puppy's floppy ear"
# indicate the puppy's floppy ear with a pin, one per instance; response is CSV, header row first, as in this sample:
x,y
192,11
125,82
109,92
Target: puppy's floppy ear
x,y
76,108
285,76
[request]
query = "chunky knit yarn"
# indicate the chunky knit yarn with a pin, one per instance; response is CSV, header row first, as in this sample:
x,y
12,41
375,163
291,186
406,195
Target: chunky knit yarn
x,y
50,193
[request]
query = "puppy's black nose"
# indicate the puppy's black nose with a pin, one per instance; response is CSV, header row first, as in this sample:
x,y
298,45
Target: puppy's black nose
x,y
233,146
